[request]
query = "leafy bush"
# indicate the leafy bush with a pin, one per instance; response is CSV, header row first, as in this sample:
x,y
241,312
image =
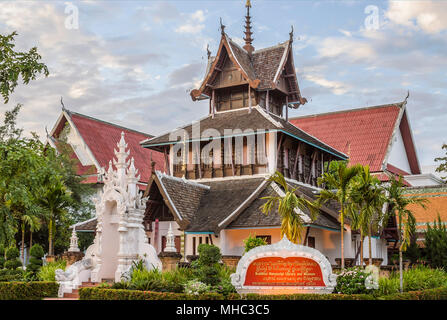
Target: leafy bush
x,y
253,242
114,294
48,271
12,258
11,275
111,294
352,281
155,280
196,287
418,278
2,256
224,287
35,260
28,290
207,266
436,244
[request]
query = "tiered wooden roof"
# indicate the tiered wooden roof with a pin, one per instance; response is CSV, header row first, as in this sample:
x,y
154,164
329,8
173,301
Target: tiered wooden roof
x,y
261,69
240,118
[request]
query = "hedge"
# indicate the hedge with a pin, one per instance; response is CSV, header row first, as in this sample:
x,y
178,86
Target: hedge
x,y
33,290
119,294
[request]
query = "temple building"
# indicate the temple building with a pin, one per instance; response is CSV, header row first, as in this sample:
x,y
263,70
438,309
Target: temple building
x,y
377,136
217,167
92,142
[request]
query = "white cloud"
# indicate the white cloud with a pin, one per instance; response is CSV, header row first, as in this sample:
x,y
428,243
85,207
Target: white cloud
x,y
345,32
430,16
356,50
194,23
336,87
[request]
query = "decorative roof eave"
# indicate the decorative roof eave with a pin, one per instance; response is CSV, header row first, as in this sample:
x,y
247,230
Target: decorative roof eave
x,y
66,114
400,117
224,42
288,56
156,177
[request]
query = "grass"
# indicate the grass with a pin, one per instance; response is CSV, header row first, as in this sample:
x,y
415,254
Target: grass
x,y
418,278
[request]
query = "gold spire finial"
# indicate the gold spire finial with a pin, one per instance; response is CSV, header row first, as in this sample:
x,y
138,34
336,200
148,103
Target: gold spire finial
x,y
248,39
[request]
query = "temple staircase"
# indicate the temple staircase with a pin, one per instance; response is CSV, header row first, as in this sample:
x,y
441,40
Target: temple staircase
x,y
74,295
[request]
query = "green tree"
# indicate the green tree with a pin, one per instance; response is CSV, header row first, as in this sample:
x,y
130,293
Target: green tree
x,y
26,166
12,258
21,162
443,162
286,205
35,262
207,266
413,251
366,213
339,178
398,205
253,242
436,244
14,64
55,199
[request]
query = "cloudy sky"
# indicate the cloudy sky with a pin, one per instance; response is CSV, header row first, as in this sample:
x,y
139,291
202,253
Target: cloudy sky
x,y
134,62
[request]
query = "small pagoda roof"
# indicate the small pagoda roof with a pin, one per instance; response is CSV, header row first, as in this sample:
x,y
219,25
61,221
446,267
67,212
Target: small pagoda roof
x,y
243,119
261,69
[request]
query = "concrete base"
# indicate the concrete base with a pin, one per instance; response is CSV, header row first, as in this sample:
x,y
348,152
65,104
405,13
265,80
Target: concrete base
x,y
169,260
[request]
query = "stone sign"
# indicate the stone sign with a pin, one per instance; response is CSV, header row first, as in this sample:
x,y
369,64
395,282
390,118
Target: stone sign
x,y
283,267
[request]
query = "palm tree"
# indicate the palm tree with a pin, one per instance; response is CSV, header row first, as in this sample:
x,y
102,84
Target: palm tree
x,y
292,223
339,179
33,222
398,204
54,198
366,213
33,228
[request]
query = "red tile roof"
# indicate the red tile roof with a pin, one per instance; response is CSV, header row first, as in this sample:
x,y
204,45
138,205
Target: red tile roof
x,y
102,137
436,203
363,134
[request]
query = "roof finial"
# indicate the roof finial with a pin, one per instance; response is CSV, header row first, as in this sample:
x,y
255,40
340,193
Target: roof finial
x,y
248,39
62,103
208,52
222,27
406,98
291,35
152,165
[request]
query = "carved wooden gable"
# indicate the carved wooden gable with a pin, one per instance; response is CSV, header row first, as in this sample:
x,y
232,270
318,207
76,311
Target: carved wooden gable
x,y
229,76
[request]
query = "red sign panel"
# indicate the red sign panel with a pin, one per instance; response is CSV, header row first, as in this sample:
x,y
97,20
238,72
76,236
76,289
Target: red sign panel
x,y
291,271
